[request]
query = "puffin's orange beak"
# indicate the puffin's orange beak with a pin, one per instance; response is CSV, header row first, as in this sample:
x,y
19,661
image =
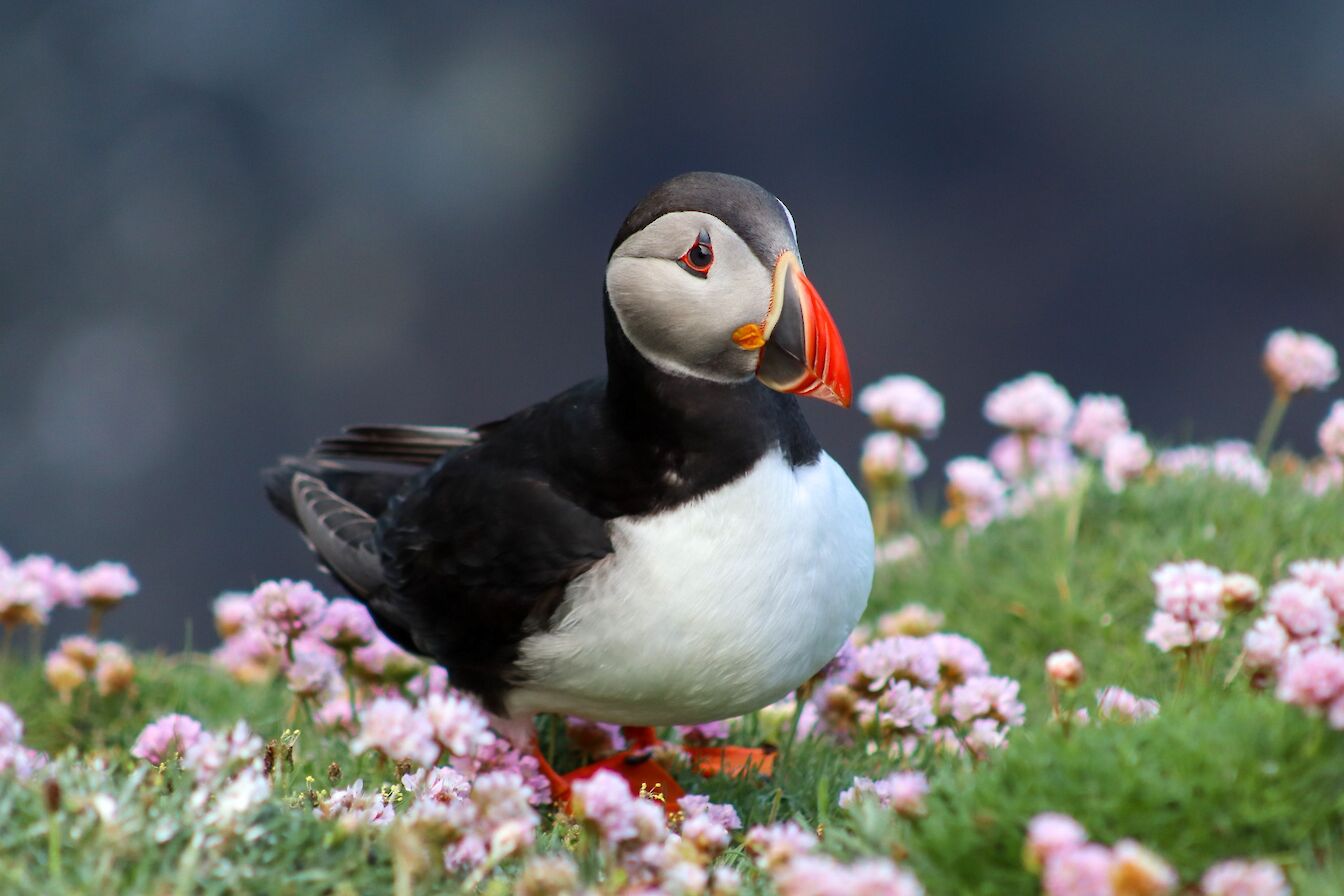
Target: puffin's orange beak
x,y
803,353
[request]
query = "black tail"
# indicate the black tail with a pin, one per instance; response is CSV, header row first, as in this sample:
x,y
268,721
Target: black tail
x,y
336,492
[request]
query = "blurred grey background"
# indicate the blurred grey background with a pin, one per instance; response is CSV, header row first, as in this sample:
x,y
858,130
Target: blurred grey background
x,y
227,228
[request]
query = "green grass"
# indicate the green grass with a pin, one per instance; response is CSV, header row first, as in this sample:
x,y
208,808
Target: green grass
x,y
1222,772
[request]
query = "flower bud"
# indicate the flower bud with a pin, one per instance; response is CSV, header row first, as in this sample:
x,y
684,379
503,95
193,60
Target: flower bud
x,y
1064,669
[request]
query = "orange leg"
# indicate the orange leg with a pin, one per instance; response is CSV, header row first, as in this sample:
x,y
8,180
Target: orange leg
x,y
559,786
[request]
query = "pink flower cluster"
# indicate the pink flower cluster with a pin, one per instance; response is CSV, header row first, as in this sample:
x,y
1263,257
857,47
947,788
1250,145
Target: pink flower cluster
x,y
1330,435
1035,463
1034,404
1057,847
34,586
887,455
290,628
788,855
655,852
1116,704
904,404
78,658
1190,606
1298,361
1231,460
976,495
1099,419
15,758
1296,642
902,792
900,690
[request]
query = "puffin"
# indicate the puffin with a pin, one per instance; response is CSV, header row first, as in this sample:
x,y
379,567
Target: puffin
x,y
667,544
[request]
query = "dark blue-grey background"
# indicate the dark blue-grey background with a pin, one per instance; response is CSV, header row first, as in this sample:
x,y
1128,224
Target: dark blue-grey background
x,y
229,227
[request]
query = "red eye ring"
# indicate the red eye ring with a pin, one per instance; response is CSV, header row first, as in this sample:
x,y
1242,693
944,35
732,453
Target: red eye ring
x,y
700,257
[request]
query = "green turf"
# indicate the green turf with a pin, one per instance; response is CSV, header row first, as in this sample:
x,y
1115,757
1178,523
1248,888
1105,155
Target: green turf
x,y
1222,772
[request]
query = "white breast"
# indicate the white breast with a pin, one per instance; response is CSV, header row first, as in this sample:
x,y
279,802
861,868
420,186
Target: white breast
x,y
710,610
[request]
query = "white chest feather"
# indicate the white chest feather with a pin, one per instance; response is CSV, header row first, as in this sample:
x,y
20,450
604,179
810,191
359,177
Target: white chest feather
x,y
713,609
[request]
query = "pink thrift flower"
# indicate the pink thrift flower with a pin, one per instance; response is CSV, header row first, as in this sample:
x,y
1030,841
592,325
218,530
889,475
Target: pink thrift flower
x,y
80,648
442,783
1297,361
434,680
1119,705
1326,575
499,755
1043,455
1126,457
334,714
1241,592
11,726
64,673
985,735
905,404
1035,403
693,804
249,656
1264,644
1331,433
393,727
904,658
959,658
1064,669
60,582
1167,633
458,724
887,455
312,675
1049,834
905,708
105,584
1239,877
1097,420
1313,679
1191,591
777,845
20,761
606,801
1235,461
287,609
1137,870
233,613
1080,871
383,660
346,624
166,737
1323,476
975,491
901,792
901,549
23,600
1304,611
988,696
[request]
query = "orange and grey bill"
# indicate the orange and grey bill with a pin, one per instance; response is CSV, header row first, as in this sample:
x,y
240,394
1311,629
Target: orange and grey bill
x,y
803,353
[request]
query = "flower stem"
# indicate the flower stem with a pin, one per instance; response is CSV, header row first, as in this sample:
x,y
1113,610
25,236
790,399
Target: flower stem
x,y
1273,420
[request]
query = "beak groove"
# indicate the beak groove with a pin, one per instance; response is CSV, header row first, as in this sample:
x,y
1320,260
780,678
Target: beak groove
x,y
803,353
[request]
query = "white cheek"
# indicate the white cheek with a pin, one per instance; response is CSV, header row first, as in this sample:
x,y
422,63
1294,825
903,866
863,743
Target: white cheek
x,y
684,324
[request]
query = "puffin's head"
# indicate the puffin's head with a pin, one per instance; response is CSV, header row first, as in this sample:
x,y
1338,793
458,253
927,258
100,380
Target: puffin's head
x,y
706,281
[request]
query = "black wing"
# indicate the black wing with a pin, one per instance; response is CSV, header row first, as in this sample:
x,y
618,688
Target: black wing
x,y
476,555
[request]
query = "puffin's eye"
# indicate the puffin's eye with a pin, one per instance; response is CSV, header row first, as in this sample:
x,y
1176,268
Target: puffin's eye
x,y
699,257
